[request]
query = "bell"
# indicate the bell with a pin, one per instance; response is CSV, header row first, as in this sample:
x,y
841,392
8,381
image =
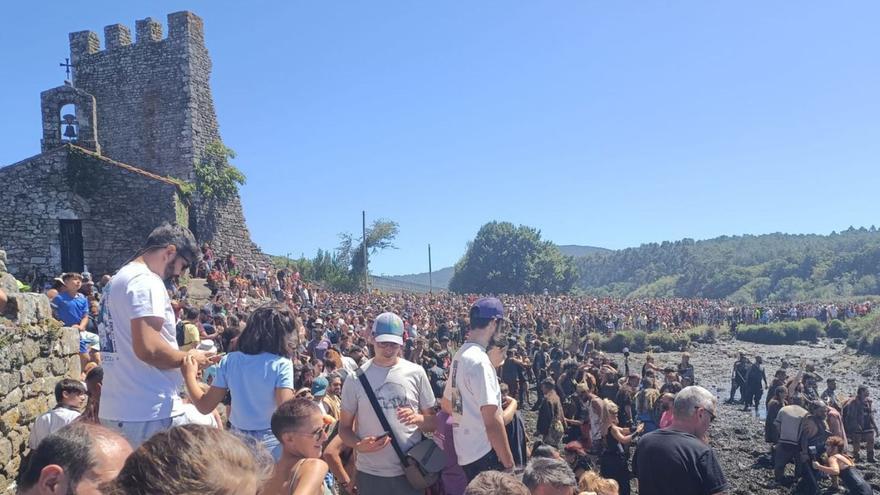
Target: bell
x,y
69,132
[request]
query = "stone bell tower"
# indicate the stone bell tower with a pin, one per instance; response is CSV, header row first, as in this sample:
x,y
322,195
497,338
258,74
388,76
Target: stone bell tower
x,y
155,111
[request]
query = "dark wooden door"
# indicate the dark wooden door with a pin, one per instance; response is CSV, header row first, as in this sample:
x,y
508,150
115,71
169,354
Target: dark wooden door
x,y
71,245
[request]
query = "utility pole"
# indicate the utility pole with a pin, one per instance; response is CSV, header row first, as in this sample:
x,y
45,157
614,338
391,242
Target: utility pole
x,y
430,275
366,269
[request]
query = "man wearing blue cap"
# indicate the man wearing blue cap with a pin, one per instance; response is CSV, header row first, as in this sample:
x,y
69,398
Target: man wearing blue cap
x,y
407,401
474,395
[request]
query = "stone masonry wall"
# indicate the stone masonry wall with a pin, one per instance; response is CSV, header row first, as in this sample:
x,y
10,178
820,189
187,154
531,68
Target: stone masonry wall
x,y
35,353
118,209
219,225
156,111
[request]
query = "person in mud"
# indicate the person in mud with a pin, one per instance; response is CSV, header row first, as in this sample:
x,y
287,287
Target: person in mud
x,y
778,381
625,401
567,383
843,466
609,382
645,400
811,387
814,433
540,362
649,366
858,419
670,381
829,395
580,428
686,369
756,382
787,427
738,377
811,382
777,402
796,392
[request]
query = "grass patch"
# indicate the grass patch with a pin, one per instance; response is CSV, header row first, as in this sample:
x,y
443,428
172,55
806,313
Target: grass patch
x,y
785,332
639,341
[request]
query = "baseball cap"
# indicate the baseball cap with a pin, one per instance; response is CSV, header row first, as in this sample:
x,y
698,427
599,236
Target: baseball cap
x,y
319,321
319,386
388,327
207,345
488,307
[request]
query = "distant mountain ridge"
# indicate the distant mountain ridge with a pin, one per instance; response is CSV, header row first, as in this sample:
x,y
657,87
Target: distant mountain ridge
x,y
576,251
743,269
440,278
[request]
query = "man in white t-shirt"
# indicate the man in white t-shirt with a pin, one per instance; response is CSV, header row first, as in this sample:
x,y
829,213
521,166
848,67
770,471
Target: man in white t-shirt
x,y
70,397
407,401
474,396
140,393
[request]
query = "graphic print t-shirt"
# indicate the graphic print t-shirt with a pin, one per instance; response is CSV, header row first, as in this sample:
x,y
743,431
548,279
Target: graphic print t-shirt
x,y
472,384
403,385
133,390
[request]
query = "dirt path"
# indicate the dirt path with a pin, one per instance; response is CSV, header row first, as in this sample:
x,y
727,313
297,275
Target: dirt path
x,y
738,437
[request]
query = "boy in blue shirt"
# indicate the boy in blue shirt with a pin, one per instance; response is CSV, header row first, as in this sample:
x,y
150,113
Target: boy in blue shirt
x,y
72,308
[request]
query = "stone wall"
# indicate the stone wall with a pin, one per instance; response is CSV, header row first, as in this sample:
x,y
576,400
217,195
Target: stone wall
x,y
220,224
35,353
156,111
118,207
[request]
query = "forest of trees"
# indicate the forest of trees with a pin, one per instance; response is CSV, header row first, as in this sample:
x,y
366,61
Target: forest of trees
x,y
744,269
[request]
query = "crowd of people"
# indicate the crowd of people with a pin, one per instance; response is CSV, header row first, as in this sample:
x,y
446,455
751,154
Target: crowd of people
x,y
277,386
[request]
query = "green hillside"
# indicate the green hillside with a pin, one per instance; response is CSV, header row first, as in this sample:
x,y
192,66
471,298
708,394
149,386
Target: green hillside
x,y
743,269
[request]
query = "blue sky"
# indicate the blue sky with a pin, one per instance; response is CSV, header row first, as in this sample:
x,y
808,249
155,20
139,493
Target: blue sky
x,y
601,123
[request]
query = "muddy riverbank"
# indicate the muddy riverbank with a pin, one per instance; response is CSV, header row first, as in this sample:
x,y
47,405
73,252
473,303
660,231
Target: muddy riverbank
x,y
737,436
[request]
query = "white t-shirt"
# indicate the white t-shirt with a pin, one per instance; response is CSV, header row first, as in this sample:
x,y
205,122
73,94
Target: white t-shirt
x,y
194,417
403,385
473,384
134,390
49,423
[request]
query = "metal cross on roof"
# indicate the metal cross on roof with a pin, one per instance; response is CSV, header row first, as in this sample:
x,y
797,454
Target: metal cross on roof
x,y
67,67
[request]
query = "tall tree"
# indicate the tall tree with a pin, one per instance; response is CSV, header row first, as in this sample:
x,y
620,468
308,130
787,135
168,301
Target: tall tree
x,y
512,260
380,236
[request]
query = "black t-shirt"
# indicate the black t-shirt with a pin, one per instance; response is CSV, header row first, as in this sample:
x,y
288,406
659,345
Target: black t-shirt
x,y
670,462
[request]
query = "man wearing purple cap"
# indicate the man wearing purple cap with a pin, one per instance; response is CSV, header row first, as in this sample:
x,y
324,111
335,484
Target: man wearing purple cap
x,y
404,393
474,395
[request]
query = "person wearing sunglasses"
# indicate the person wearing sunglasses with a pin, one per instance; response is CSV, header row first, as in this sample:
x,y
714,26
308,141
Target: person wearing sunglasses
x,y
300,428
677,460
136,328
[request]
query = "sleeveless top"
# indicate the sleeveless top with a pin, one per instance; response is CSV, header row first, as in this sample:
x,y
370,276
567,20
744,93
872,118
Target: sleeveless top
x,y
294,479
612,446
854,483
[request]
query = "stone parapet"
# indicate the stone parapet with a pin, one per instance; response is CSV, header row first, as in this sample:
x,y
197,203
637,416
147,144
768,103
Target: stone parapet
x,y
33,358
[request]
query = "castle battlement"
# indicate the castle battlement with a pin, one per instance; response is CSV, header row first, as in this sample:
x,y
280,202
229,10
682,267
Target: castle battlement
x,y
183,27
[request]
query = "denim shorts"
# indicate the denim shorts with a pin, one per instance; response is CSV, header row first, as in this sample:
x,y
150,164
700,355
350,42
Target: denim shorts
x,y
257,439
138,432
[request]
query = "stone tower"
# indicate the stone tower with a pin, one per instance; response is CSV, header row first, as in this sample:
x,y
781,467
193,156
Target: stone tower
x,y
155,111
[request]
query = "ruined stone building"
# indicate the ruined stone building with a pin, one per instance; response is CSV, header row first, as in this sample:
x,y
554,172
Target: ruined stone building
x,y
119,146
